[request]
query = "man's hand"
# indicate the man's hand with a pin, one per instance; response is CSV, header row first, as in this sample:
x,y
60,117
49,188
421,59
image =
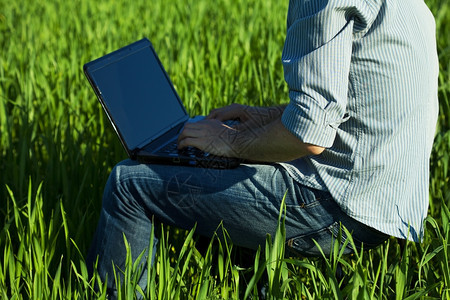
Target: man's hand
x,y
259,135
210,135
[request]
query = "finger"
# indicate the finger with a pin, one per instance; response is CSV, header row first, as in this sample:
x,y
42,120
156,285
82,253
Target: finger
x,y
193,130
187,133
216,113
191,142
233,111
222,113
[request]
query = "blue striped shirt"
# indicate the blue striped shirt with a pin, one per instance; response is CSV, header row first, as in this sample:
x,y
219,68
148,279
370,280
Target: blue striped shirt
x,y
362,77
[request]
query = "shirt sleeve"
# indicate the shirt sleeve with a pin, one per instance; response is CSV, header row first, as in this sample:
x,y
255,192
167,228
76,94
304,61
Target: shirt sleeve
x,y
316,60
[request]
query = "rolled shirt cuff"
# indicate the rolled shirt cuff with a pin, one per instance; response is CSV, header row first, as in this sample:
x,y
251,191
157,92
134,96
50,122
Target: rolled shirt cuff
x,y
308,121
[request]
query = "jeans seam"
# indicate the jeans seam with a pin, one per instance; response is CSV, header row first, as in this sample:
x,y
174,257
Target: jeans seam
x,y
315,203
290,241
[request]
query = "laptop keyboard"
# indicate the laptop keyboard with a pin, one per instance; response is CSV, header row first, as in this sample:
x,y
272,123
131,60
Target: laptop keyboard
x,y
172,149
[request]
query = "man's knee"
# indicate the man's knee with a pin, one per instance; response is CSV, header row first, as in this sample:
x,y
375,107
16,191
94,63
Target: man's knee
x,y
118,187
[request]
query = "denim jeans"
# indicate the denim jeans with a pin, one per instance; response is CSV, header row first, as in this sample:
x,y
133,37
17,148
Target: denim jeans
x,y
246,200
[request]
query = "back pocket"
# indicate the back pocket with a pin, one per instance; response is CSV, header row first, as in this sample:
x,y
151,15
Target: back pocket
x,y
304,245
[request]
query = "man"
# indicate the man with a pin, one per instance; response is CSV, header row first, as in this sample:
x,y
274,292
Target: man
x,y
352,147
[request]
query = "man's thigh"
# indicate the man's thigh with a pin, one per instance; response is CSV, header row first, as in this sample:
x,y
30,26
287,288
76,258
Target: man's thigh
x,y
246,200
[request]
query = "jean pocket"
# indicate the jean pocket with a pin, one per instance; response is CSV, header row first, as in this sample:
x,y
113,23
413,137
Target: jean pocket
x,y
310,198
306,244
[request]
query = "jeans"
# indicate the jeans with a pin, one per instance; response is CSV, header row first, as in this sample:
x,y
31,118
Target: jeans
x,y
246,200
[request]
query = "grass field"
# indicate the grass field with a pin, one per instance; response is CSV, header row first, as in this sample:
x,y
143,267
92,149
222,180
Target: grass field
x,y
57,149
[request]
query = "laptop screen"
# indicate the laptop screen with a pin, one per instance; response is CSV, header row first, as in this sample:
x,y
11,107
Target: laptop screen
x,y
138,96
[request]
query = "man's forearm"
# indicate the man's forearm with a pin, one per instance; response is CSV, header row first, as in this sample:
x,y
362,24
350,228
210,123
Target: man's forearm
x,y
254,115
259,136
263,116
271,143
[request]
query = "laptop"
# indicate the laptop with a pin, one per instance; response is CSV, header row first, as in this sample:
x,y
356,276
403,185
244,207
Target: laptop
x,y
144,109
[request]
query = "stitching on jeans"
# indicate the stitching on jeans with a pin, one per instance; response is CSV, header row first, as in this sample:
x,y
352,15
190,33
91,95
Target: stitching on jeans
x,y
334,229
314,203
356,241
291,242
302,236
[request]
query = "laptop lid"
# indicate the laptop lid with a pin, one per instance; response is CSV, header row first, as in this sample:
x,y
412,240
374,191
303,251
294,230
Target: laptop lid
x,y
136,94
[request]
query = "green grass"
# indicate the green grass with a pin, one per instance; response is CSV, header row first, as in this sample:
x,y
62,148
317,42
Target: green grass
x,y
57,149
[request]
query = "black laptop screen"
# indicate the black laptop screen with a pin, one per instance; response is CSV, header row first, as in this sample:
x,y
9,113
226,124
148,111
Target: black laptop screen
x,y
138,97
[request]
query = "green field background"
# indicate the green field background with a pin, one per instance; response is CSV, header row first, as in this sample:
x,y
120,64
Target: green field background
x,y
57,148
